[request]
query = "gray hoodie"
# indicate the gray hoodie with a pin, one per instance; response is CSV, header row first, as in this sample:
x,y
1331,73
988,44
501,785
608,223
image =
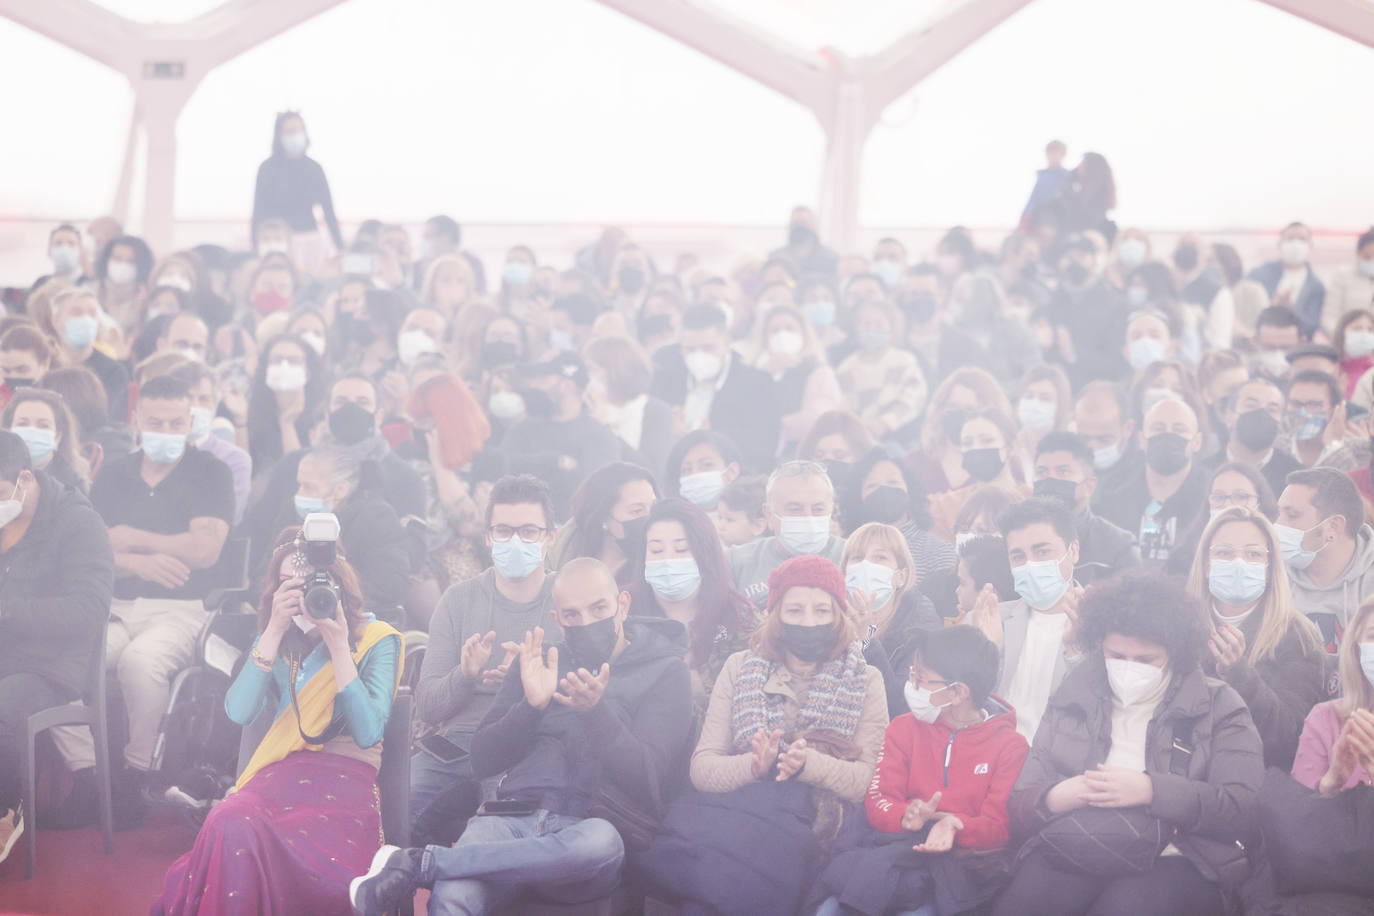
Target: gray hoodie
x,y
1342,598
445,696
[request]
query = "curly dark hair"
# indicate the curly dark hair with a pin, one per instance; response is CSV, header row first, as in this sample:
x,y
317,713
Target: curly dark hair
x,y
1148,605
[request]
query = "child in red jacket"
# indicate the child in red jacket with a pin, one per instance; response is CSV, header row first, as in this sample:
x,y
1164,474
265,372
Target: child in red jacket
x,y
942,782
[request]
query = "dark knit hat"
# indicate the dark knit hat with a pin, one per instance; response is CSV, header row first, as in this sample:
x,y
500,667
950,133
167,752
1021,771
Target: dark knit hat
x,y
806,571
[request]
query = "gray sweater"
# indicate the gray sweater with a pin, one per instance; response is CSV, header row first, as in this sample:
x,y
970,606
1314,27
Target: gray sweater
x,y
446,697
751,564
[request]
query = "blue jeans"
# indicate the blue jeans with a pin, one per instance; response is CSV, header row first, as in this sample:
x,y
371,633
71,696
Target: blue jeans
x,y
498,859
429,778
831,907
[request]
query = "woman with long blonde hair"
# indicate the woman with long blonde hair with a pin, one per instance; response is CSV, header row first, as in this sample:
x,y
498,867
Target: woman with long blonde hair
x,y
1259,642
1336,748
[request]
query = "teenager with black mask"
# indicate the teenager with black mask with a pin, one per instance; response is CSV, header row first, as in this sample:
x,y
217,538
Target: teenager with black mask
x,y
557,441
1170,490
1064,471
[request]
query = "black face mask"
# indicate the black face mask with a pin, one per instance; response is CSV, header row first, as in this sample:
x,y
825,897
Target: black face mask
x,y
1066,491
355,329
630,280
498,353
952,424
538,403
984,464
591,645
1074,274
632,544
919,306
1185,258
1166,453
14,384
1256,430
888,505
351,424
808,644
799,235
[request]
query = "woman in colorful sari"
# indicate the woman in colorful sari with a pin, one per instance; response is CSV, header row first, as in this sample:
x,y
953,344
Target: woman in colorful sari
x,y
303,818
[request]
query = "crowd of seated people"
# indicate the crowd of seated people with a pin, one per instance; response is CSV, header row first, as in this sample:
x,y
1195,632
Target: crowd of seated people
x,y
1029,580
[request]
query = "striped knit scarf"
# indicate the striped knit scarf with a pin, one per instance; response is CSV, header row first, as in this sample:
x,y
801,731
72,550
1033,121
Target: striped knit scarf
x,y
834,701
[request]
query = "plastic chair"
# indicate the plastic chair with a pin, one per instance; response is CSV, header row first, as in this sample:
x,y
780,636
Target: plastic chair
x,y
91,713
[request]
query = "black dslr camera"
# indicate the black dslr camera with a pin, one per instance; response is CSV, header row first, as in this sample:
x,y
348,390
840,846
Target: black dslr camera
x,y
320,532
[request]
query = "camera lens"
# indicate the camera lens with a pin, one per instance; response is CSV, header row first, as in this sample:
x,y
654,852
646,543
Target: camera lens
x,y
321,599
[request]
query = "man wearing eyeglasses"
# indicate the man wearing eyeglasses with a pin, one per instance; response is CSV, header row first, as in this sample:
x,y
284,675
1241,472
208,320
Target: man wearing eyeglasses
x,y
473,637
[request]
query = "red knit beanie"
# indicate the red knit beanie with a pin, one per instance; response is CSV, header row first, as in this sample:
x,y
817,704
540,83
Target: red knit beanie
x,y
806,571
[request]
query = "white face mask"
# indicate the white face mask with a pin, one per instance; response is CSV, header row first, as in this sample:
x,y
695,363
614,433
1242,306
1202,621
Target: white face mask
x,y
413,344
11,508
284,377
703,366
918,701
1294,252
1132,681
801,534
785,343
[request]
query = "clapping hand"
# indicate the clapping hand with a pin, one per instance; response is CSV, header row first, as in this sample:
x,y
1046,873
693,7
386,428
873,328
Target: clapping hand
x,y
986,616
918,812
941,835
1117,787
1227,645
581,690
475,653
764,746
540,678
791,761
493,677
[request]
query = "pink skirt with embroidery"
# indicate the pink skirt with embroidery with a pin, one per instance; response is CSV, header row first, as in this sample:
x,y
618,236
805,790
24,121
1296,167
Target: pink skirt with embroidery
x,y
288,842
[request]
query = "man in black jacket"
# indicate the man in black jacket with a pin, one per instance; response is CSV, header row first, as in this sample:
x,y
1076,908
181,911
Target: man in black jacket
x,y
610,712
1064,471
56,577
715,389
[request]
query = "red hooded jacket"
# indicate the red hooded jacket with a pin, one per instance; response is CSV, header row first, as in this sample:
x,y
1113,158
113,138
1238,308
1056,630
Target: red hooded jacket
x,y
974,769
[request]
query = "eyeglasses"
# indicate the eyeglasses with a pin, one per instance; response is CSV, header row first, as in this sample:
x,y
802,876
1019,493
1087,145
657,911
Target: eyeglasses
x,y
1220,499
527,533
931,684
1251,553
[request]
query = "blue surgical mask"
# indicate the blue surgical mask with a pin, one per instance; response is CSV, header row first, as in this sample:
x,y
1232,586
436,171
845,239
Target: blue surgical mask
x,y
164,448
308,504
65,258
81,331
1308,425
702,489
516,560
1290,545
41,442
802,534
1236,582
1143,351
1040,583
200,423
820,314
673,580
516,273
1367,660
874,579
1035,415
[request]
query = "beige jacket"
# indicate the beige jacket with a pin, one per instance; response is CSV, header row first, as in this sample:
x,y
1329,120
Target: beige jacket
x,y
716,769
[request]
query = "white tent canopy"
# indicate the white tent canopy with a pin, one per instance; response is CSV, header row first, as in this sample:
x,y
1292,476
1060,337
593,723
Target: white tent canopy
x,y
1214,113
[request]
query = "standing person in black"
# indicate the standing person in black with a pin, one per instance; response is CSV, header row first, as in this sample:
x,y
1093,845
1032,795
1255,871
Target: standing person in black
x,y
716,389
289,186
56,572
557,441
168,508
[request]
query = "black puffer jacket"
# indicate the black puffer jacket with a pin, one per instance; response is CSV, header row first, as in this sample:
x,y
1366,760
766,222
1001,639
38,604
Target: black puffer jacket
x,y
1213,807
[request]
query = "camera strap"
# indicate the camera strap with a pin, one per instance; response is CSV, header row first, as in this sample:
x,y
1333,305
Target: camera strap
x,y
331,731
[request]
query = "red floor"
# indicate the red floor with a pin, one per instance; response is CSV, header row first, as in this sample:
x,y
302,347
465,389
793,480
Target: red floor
x,y
76,878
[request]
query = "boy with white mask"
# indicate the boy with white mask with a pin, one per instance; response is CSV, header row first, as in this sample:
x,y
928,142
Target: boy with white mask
x,y
1039,629
800,504
473,635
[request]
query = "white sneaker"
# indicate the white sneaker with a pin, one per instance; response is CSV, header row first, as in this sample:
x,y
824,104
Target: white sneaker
x,y
11,828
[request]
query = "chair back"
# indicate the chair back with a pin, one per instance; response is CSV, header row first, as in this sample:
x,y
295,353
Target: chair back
x,y
393,776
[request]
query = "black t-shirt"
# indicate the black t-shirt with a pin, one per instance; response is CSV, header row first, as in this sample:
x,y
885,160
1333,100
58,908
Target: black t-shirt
x,y
200,486
115,380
